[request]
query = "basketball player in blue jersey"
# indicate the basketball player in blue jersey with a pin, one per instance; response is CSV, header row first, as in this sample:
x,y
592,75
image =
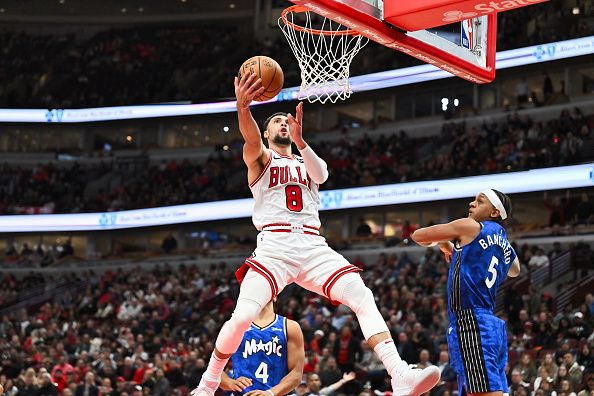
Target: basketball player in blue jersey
x,y
270,358
482,257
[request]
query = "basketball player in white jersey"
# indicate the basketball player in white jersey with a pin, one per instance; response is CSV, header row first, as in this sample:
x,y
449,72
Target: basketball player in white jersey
x,y
290,249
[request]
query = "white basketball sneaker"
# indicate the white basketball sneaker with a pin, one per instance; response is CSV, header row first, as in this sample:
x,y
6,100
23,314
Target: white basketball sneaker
x,y
205,388
414,381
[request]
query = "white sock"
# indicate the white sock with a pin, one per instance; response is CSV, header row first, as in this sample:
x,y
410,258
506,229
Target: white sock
x,y
215,367
386,351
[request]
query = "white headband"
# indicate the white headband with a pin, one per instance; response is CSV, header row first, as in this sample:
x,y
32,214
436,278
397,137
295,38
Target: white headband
x,y
495,201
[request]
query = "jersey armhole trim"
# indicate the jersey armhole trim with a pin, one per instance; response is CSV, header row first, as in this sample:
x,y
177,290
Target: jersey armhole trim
x,y
252,184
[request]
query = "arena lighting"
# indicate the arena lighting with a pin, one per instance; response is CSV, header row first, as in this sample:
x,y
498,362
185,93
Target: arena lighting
x,y
391,78
575,176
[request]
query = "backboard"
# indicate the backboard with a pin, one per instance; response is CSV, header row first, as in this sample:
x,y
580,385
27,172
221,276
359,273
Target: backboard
x,y
444,33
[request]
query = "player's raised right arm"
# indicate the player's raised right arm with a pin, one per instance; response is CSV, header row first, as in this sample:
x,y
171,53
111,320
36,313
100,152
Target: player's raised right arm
x,y
246,89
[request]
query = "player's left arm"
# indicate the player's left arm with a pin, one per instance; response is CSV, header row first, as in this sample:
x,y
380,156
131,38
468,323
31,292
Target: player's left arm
x,y
295,361
316,167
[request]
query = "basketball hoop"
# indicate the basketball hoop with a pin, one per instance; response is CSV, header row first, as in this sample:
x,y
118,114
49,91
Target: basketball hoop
x,y
324,50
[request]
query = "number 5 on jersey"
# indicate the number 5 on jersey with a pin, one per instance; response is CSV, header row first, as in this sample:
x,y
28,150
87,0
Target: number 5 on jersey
x,y
294,197
493,271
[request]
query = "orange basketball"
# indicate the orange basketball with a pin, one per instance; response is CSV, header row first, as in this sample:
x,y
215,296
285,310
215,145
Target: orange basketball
x,y
269,71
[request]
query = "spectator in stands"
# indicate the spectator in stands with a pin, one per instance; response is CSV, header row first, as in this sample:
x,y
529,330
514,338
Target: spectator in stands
x,y
346,348
424,359
565,388
330,373
517,383
169,244
547,87
27,384
363,229
557,209
406,348
549,366
316,344
526,368
369,364
447,371
585,358
66,249
311,362
589,388
538,260
580,328
106,389
589,300
573,369
556,251
522,92
161,386
584,212
407,230
545,388
533,301
542,377
314,384
562,375
46,387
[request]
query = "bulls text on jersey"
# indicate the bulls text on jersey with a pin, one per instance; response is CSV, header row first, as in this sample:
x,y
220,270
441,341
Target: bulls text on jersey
x,y
280,175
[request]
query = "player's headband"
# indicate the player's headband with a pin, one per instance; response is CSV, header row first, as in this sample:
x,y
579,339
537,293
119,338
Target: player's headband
x,y
496,202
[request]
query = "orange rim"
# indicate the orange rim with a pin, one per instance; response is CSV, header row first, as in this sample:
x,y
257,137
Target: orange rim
x,y
300,9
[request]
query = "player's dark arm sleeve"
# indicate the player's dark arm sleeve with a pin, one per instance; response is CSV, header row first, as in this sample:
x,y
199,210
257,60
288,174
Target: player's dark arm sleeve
x,y
295,360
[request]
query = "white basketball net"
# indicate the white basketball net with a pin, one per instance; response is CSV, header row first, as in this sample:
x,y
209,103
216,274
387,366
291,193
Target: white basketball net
x,y
324,52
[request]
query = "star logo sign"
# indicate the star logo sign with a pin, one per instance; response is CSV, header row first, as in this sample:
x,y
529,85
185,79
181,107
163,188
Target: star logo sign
x,y
260,346
539,52
275,339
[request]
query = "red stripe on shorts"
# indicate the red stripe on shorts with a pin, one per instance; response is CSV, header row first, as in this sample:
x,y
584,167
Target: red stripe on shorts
x,y
334,277
259,268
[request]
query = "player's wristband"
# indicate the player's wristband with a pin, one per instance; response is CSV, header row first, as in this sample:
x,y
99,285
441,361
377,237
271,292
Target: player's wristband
x,y
269,391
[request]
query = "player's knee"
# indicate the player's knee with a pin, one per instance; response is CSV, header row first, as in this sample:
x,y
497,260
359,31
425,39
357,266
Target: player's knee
x,y
244,314
356,295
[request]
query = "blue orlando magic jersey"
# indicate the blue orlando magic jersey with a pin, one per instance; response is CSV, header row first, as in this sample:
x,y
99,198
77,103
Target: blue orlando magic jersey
x,y
262,355
478,269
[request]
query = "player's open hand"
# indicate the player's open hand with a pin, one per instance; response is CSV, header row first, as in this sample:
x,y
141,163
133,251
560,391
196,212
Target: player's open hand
x,y
240,384
247,88
295,122
257,392
447,248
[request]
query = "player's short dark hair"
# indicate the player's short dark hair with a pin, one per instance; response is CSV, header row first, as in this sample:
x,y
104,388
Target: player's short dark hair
x,y
507,205
278,113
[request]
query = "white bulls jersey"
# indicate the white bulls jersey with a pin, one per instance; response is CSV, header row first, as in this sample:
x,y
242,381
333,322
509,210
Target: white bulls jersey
x,y
284,193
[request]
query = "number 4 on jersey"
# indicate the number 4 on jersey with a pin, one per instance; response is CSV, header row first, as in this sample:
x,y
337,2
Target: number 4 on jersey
x,y
262,372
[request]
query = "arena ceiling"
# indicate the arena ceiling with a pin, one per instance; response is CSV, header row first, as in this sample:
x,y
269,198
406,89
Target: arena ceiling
x,y
114,11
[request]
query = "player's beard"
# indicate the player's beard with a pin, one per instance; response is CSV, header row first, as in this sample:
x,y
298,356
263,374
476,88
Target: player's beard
x,y
282,141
